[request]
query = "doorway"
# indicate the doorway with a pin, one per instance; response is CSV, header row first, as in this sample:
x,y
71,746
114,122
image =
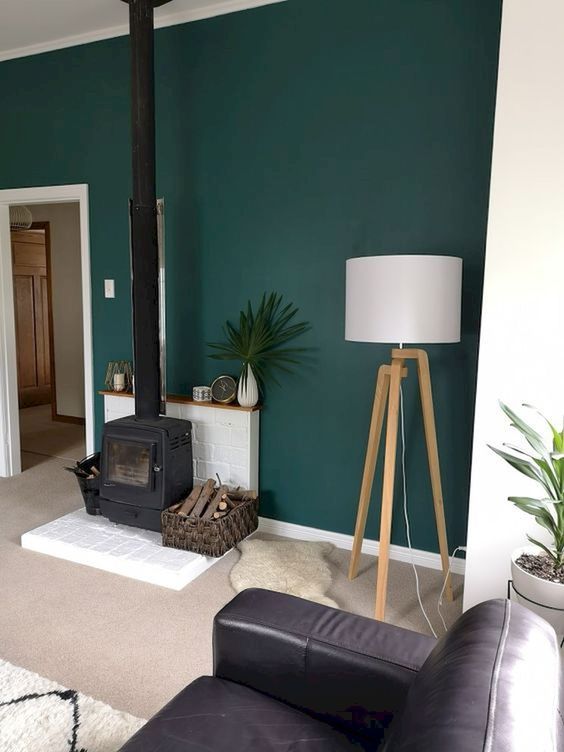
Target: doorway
x,y
46,385
49,339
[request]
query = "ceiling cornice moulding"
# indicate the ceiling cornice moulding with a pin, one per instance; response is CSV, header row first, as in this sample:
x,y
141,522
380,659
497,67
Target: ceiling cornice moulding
x,y
170,19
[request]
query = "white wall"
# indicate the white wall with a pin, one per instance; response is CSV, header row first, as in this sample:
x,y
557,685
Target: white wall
x,y
66,283
521,355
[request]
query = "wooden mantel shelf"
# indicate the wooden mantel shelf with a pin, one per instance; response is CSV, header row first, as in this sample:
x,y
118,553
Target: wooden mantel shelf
x,y
185,400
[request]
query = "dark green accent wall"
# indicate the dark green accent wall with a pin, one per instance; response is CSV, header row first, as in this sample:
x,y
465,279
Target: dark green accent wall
x,y
290,137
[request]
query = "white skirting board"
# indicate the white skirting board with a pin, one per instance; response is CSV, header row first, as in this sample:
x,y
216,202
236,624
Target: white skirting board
x,y
341,540
135,553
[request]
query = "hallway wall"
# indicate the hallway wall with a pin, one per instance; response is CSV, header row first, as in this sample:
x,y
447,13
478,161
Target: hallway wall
x,y
66,285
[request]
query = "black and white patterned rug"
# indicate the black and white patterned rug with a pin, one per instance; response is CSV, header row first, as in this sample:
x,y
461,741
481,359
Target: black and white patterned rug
x,y
39,715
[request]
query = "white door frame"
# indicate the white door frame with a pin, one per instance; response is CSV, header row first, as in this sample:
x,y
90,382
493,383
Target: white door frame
x,y
10,455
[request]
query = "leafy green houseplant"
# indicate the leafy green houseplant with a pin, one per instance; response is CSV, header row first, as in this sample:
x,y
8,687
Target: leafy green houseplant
x,y
543,463
260,343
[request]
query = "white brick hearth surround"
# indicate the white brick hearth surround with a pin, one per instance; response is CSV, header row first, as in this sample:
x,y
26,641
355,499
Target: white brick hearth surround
x,y
225,440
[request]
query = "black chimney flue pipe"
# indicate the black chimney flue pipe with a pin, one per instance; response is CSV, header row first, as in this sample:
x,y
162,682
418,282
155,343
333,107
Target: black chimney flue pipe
x,y
144,239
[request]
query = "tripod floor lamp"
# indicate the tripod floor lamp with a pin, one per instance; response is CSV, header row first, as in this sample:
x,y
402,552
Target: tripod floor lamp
x,y
400,299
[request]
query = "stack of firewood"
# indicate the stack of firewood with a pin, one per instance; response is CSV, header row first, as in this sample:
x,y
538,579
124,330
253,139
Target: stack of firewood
x,y
87,475
210,501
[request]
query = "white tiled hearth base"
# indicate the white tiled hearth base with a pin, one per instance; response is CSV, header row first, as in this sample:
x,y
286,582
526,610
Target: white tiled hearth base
x,y
129,551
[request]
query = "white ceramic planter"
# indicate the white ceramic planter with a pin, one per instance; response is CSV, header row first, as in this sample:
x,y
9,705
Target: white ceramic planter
x,y
248,393
549,595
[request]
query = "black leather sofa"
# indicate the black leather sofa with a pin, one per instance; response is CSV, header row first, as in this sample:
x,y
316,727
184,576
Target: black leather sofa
x,y
293,676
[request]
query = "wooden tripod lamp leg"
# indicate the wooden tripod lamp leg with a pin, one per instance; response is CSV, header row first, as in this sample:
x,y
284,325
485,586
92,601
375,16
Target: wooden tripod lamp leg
x,y
380,397
434,467
388,487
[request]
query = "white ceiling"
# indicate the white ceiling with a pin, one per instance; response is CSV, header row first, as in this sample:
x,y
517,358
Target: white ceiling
x,y
28,27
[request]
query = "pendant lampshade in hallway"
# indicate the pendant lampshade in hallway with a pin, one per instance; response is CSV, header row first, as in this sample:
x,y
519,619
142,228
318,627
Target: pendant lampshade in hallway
x,y
403,299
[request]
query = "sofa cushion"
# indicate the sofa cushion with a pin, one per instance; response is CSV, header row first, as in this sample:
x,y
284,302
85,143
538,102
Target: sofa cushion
x,y
491,684
219,715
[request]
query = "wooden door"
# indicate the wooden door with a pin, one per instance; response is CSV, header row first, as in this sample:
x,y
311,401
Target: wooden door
x,y
31,301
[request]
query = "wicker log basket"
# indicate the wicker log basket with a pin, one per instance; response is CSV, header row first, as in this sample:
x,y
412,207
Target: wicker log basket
x,y
211,521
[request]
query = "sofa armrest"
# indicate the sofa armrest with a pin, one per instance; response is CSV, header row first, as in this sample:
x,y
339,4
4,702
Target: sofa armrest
x,y
346,669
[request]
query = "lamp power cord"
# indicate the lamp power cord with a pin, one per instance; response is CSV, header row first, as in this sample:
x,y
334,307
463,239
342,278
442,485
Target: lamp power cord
x,y
406,514
440,601
408,531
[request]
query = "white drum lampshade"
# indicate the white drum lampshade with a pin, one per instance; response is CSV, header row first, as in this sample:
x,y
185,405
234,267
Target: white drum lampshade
x,y
403,299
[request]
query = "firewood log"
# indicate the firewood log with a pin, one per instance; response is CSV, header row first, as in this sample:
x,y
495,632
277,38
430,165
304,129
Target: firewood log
x,y
94,470
190,501
215,503
236,495
174,507
229,501
242,495
222,506
205,496
218,515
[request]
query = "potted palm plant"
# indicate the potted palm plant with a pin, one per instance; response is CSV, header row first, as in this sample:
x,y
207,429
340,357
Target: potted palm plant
x,y
259,343
538,570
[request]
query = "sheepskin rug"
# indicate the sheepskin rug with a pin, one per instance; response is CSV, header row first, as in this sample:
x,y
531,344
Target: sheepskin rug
x,y
39,715
293,567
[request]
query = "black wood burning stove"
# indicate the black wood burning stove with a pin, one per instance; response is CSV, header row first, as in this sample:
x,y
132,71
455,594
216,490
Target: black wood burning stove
x,y
146,458
144,466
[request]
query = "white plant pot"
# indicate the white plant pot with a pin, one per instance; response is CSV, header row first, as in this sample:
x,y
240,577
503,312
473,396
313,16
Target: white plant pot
x,y
247,392
540,596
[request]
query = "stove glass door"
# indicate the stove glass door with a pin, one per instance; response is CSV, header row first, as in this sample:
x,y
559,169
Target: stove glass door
x,y
129,463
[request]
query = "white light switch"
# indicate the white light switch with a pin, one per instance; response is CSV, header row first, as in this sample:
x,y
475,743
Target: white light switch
x,y
109,288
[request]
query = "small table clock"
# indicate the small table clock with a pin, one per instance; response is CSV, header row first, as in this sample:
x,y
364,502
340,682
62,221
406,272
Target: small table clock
x,y
224,389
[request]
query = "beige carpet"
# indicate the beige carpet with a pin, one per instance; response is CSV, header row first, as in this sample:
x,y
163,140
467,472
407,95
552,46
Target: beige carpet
x,y
127,643
41,435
